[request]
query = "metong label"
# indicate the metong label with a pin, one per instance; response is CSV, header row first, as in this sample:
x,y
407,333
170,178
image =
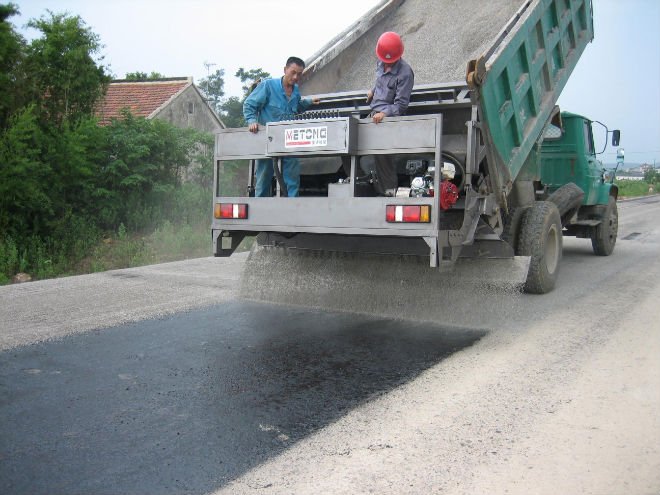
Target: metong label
x,y
301,137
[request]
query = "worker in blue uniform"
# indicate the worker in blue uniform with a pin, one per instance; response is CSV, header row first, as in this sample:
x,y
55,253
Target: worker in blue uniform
x,y
274,100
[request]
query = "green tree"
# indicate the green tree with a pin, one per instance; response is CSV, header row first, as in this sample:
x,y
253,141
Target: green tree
x,y
25,200
46,173
65,66
213,88
144,164
231,109
63,178
231,112
143,76
250,78
651,176
12,78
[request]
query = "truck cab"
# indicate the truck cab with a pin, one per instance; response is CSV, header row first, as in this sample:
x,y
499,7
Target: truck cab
x,y
569,154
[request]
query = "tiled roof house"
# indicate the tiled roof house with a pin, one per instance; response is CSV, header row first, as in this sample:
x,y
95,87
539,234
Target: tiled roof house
x,y
175,100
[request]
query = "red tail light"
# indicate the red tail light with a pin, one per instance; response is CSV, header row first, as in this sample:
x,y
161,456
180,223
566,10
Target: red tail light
x,y
408,214
230,210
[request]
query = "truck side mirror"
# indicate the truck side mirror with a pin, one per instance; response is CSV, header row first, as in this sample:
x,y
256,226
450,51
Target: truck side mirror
x,y
616,137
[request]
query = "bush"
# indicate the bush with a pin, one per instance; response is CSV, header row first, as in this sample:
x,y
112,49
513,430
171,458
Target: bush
x,y
64,180
173,242
632,188
9,262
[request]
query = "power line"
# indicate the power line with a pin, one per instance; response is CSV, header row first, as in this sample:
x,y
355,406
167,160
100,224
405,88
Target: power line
x,y
652,151
632,152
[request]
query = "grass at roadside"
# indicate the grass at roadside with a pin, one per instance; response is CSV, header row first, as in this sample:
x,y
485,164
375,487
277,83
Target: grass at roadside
x,y
167,243
170,242
634,188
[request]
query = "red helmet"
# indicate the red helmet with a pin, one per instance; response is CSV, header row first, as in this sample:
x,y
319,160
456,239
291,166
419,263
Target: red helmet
x,y
389,48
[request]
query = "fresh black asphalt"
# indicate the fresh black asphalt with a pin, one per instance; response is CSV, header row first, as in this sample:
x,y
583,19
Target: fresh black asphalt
x,y
188,403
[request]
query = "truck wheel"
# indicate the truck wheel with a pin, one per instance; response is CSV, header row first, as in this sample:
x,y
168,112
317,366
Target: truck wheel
x,y
511,229
540,238
604,235
568,199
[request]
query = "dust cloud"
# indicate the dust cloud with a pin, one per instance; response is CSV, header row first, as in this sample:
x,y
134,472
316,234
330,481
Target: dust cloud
x,y
383,286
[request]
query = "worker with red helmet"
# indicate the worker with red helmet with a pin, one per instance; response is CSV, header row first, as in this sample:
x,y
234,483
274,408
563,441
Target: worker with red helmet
x,y
389,97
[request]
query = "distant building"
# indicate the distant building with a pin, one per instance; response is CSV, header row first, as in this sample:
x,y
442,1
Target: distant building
x,y
629,175
174,100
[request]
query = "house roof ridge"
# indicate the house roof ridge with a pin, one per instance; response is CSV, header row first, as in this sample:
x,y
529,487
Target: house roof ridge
x,y
163,80
140,97
171,98
147,98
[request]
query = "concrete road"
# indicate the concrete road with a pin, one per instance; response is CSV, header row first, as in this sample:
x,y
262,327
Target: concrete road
x,y
159,380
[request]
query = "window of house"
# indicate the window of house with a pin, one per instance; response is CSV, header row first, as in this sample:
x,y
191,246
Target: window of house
x,y
191,107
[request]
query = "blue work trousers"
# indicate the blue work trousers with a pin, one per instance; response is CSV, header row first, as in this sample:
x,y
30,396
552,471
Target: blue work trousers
x,y
290,173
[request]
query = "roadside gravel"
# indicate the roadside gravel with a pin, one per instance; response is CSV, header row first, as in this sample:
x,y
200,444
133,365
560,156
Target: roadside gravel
x,y
47,309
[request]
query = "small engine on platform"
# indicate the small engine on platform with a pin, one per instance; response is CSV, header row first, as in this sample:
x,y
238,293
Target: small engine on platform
x,y
422,174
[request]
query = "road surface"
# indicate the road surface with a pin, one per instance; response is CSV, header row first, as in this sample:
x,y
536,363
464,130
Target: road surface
x,y
160,380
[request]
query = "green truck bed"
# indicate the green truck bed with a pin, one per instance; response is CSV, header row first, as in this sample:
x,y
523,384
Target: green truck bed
x,y
518,81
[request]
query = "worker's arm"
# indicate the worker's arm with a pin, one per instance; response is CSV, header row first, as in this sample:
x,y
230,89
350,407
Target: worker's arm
x,y
402,98
305,103
253,105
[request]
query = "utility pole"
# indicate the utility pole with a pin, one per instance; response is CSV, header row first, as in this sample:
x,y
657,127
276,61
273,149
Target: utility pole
x,y
208,66
213,106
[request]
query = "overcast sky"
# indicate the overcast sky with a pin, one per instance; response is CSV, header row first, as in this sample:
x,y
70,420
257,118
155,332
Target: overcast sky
x,y
617,80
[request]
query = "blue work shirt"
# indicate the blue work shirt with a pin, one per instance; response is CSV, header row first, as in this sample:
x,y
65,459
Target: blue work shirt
x,y
269,103
393,88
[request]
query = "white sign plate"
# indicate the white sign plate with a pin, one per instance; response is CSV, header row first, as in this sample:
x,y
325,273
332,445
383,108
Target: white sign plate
x,y
306,137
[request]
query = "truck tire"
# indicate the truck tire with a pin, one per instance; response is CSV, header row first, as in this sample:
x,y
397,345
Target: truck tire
x,y
603,237
540,238
568,199
511,228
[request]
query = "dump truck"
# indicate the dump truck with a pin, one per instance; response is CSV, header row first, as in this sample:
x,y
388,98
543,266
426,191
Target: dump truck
x,y
491,173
